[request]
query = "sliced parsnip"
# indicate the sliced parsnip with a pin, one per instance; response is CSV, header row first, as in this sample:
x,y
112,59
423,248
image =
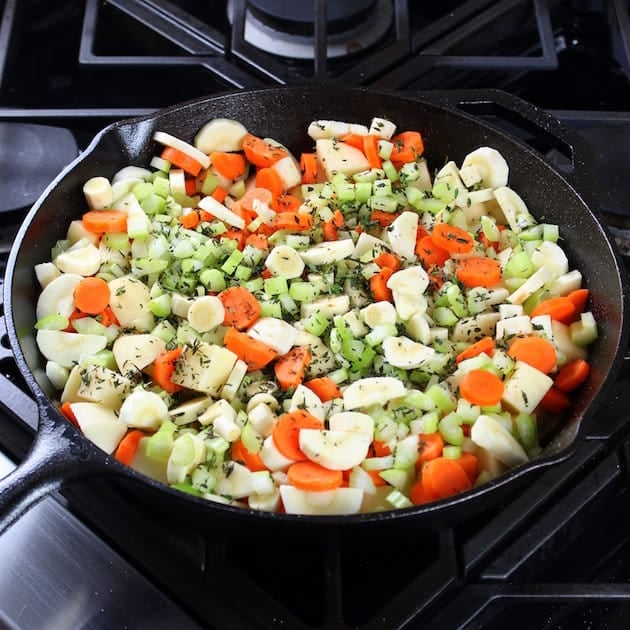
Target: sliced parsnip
x,y
66,348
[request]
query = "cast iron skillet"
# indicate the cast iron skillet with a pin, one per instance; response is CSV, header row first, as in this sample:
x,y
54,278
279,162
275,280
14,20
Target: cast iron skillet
x,y
60,453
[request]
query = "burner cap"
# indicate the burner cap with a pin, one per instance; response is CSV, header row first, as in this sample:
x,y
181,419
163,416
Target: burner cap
x,y
287,29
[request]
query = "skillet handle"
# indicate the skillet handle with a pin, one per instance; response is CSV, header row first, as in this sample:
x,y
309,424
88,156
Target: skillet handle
x,y
562,147
54,459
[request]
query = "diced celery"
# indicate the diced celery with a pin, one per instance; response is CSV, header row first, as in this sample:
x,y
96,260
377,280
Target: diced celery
x,y
398,500
362,191
396,477
55,321
271,308
384,204
584,331
489,228
183,249
429,204
160,164
160,444
379,333
316,324
444,400
288,304
160,306
519,265
153,204
382,188
276,286
526,430
390,171
444,316
450,428
232,262
452,452
243,273
339,376
213,280
302,291
142,190
254,285
551,232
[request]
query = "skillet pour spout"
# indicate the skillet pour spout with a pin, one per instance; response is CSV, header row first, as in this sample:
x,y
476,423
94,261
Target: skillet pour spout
x,y
453,123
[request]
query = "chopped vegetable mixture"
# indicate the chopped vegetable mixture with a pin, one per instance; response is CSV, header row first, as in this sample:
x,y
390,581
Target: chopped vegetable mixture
x,y
334,332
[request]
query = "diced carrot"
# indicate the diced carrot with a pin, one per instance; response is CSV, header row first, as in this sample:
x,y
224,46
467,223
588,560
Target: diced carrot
x,y
228,165
579,297
325,388
383,218
91,295
295,221
242,308
330,231
128,446
105,221
286,432
421,233
443,477
259,241
287,203
291,367
254,352
430,446
190,220
260,152
66,410
478,271
354,140
308,168
270,179
559,308
181,160
468,462
572,374
483,345
429,253
163,368
251,461
190,186
453,239
535,351
313,477
381,449
408,147
107,317
219,193
387,259
555,400
370,148
378,285
338,219
481,387
419,495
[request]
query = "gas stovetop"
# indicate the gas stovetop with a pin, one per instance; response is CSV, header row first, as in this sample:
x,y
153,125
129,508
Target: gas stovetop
x,y
557,555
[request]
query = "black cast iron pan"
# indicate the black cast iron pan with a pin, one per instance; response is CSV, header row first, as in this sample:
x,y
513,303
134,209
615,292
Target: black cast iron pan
x,y
60,453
